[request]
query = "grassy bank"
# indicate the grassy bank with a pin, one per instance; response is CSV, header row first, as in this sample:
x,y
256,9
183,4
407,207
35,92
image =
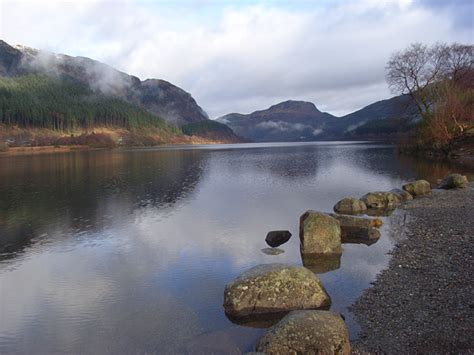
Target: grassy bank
x,y
15,140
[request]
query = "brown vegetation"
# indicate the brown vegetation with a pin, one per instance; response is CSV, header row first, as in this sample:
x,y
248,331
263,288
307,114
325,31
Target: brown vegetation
x,y
440,81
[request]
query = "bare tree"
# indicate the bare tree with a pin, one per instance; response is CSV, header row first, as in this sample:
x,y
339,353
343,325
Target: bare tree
x,y
414,70
459,63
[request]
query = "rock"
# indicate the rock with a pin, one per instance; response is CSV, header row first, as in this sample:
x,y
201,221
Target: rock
x,y
381,200
358,229
307,332
272,251
274,288
417,188
350,205
319,234
320,264
454,181
404,195
277,238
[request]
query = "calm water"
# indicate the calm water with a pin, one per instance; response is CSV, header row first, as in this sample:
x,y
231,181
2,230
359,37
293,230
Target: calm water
x,y
129,251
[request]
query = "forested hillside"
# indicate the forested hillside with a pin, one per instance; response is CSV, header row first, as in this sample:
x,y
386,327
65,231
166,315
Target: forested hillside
x,y
51,99
40,101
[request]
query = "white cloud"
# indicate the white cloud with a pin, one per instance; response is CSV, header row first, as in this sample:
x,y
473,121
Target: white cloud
x,y
241,58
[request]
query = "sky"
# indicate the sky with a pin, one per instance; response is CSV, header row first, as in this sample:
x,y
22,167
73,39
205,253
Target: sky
x,y
241,56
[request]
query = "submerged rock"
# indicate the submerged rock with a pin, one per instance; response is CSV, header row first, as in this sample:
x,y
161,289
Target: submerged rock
x,y
277,238
404,195
307,332
274,288
319,234
272,251
359,229
321,263
454,181
381,200
417,188
350,205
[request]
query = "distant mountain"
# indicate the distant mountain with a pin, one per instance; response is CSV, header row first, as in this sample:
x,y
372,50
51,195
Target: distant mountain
x,y
155,97
286,121
302,121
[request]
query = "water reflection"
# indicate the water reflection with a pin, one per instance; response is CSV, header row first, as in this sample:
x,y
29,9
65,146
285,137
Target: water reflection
x,y
320,264
272,251
83,191
130,251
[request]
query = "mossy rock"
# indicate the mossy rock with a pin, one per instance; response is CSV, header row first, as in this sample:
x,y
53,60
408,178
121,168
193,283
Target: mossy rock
x,y
307,332
417,188
350,205
381,200
454,181
274,288
320,234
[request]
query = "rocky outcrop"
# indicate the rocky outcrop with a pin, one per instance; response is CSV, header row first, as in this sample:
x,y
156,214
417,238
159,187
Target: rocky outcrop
x,y
404,195
417,188
277,238
307,332
350,205
358,229
320,234
381,200
454,181
274,288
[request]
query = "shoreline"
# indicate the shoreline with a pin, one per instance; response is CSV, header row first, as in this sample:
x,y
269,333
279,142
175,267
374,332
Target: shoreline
x,y
49,149
423,301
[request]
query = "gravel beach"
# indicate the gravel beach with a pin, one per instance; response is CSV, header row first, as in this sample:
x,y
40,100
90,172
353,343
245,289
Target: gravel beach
x,y
423,302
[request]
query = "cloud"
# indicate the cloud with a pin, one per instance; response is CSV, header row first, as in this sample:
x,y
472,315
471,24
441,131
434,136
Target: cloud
x,y
235,57
286,126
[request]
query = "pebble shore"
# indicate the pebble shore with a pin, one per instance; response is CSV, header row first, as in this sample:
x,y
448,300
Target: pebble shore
x,y
423,302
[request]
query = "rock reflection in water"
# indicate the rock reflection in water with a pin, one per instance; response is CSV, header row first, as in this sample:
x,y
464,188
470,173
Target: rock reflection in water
x,y
320,264
273,251
262,321
357,240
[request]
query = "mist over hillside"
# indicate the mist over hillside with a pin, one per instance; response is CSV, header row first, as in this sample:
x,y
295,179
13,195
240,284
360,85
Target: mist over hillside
x,y
61,92
302,121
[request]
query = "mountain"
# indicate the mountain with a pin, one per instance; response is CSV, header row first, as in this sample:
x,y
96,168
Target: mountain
x,y
302,121
104,95
286,121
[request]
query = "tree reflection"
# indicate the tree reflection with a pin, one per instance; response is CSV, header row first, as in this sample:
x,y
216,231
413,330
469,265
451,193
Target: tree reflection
x,y
67,192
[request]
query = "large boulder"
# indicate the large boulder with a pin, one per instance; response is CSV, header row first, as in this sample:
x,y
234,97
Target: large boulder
x,y
381,200
277,238
307,332
319,234
358,229
274,288
404,195
417,188
350,205
454,181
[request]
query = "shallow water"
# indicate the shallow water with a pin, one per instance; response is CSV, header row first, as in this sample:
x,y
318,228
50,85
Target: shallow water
x,y
129,251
